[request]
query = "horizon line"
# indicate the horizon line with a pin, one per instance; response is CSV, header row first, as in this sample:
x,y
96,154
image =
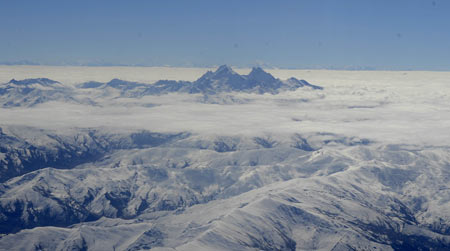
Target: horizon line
x,y
269,67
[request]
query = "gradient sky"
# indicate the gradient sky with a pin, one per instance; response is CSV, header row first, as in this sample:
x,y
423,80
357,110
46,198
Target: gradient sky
x,y
342,34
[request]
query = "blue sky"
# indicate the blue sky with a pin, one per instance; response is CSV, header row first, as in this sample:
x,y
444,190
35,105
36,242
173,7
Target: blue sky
x,y
341,34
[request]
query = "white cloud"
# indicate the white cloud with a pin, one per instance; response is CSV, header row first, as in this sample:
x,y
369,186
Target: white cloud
x,y
396,107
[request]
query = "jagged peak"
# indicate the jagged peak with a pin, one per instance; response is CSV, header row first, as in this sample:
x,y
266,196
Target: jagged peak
x,y
259,74
207,75
257,69
224,70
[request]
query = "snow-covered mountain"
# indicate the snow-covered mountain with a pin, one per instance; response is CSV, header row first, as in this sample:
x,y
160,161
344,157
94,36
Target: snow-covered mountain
x,y
34,91
21,154
30,92
211,164
194,192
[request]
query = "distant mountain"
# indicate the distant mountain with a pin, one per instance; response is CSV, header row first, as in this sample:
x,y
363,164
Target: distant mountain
x,y
35,82
29,92
33,91
224,79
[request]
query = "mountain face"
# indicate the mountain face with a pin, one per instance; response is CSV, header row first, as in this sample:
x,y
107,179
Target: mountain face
x,y
224,79
21,155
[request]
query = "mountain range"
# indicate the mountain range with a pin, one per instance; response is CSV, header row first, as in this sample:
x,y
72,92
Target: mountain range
x,y
94,190
30,92
223,80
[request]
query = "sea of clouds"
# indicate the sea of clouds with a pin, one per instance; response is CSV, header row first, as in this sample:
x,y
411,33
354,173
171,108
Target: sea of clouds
x,y
408,107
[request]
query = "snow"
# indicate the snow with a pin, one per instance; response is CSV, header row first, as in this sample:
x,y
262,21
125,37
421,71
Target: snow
x,y
362,164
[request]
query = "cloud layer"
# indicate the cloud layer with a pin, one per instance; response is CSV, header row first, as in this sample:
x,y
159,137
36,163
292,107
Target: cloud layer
x,y
393,107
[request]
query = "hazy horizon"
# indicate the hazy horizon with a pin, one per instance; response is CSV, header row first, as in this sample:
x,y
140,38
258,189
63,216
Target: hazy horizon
x,y
367,35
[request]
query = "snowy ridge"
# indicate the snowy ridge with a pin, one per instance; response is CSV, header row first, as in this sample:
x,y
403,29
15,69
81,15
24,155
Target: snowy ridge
x,y
281,193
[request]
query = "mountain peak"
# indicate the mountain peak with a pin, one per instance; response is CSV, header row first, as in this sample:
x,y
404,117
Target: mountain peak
x,y
259,74
257,69
224,70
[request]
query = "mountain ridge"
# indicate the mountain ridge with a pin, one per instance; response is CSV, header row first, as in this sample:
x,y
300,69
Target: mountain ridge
x,y
223,79
216,193
33,91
